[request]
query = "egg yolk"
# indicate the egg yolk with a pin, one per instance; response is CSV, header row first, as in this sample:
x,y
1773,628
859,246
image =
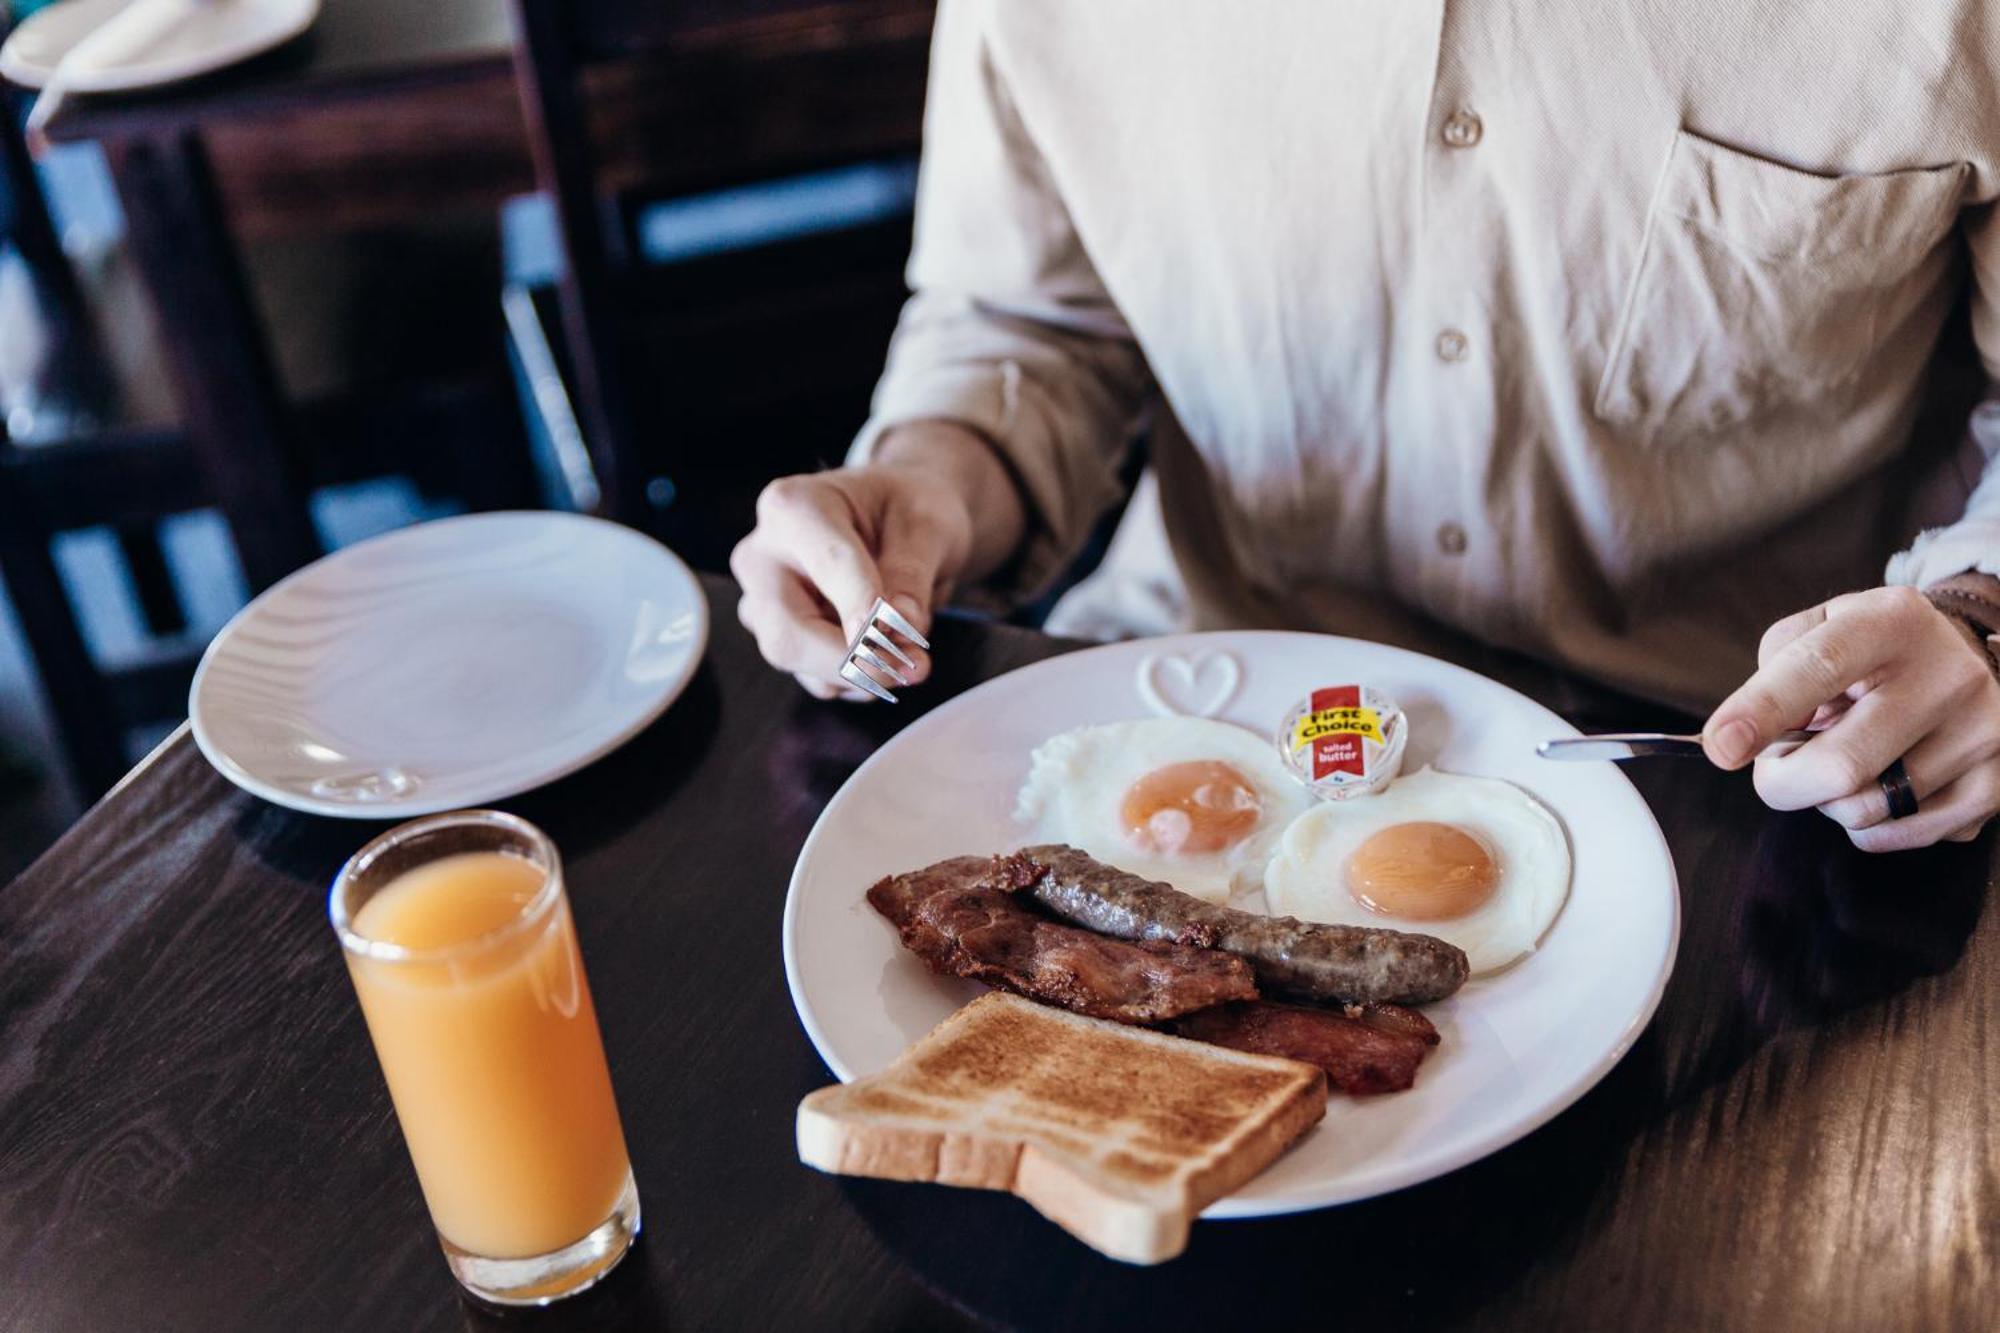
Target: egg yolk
x,y
1203,805
1423,871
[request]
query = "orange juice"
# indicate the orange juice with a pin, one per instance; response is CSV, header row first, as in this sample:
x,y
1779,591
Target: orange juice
x,y
489,1042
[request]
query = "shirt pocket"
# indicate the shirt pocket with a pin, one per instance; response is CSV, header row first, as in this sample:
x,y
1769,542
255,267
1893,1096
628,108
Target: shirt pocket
x,y
1761,286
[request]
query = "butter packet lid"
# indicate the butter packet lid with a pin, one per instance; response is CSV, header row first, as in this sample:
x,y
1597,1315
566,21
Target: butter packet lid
x,y
1344,740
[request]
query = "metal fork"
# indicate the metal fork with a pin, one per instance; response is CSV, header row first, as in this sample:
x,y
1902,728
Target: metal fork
x,y
863,652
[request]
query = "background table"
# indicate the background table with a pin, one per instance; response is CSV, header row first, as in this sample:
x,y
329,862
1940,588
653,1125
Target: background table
x,y
194,1134
386,112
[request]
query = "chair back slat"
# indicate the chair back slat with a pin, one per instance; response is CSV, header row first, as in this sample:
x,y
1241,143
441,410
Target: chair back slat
x,y
636,99
602,30
548,72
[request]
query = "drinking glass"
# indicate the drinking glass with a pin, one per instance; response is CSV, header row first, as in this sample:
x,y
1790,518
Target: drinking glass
x,y
489,1043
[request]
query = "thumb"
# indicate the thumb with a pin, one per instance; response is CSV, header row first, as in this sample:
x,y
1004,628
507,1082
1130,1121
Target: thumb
x,y
1731,736
1795,626
916,561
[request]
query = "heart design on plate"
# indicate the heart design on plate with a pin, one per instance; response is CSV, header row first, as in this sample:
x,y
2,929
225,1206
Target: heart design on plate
x,y
1179,686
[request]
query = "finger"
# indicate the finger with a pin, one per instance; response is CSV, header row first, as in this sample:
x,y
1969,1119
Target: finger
x,y
1970,800
1792,627
1812,669
914,552
911,559
1932,764
817,687
1848,757
1968,833
794,630
821,688
1830,712
809,526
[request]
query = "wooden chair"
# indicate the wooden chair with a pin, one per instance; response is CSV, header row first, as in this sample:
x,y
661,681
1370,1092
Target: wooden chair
x,y
693,382
83,704
461,436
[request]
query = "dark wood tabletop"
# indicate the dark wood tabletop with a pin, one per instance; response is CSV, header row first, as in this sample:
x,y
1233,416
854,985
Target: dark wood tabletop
x,y
359,49
356,48
194,1133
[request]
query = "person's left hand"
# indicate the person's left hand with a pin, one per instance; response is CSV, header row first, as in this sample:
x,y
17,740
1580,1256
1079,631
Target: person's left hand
x,y
1882,675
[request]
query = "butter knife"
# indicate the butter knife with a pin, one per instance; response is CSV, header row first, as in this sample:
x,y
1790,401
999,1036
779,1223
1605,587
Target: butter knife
x,y
1642,744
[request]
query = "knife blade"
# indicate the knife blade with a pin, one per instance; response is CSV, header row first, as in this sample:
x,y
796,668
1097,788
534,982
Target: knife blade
x,y
1623,745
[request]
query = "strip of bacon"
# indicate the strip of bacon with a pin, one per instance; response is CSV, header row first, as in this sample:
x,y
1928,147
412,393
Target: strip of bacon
x,y
1364,1048
949,918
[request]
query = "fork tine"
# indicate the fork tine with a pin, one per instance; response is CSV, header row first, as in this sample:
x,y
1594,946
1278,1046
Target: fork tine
x,y
860,679
899,622
895,675
875,638
862,652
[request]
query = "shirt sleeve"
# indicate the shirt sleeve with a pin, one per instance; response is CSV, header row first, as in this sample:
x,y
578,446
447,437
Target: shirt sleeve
x,y
1971,544
1009,330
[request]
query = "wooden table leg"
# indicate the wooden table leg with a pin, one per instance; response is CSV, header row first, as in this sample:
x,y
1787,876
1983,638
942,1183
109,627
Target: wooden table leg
x,y
231,402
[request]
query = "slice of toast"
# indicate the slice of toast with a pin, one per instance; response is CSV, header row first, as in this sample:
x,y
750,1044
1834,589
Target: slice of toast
x,y
1117,1134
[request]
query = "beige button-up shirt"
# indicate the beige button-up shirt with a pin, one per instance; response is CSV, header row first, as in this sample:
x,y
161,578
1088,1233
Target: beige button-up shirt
x,y
1608,332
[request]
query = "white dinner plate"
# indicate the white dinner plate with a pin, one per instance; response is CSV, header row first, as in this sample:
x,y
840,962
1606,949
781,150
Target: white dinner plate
x,y
210,36
448,664
1518,1046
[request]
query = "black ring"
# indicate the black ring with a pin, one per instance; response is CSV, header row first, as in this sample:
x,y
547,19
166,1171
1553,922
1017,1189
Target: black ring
x,y
1895,782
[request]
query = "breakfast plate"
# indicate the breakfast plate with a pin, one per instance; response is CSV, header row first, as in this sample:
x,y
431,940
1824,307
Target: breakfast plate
x,y
1519,1045
448,664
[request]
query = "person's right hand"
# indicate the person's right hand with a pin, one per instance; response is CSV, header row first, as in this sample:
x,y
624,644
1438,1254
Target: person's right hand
x,y
827,544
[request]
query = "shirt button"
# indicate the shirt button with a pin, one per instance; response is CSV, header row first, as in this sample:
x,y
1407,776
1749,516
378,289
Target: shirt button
x,y
1453,345
1451,539
1463,130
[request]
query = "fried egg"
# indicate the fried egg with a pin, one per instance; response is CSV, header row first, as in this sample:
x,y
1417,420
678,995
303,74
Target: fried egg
x,y
1476,862
1189,801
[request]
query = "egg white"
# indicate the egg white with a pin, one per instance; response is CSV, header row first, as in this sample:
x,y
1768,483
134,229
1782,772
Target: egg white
x,y
1307,875
1077,781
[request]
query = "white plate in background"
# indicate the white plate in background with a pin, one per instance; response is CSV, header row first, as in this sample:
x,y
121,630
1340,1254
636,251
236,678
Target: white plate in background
x,y
448,664
212,36
1518,1046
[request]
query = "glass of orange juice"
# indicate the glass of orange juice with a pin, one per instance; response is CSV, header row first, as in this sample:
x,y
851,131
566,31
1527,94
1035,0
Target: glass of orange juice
x,y
458,936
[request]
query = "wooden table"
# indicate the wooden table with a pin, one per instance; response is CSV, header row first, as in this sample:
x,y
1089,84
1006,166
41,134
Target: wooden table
x,y
194,1134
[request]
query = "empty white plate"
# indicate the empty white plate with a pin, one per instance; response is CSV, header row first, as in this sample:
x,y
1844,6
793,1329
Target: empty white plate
x,y
448,664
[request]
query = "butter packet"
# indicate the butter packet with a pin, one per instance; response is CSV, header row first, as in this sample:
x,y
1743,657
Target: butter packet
x,y
1344,740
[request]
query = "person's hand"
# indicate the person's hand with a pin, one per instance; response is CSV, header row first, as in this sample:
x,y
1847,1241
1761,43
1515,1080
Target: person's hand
x,y
827,544
1881,675
906,528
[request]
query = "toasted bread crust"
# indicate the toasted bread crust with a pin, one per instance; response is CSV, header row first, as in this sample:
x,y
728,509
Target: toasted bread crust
x,y
1119,1135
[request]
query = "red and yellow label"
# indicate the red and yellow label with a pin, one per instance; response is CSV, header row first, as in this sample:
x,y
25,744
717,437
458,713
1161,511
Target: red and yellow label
x,y
1335,725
